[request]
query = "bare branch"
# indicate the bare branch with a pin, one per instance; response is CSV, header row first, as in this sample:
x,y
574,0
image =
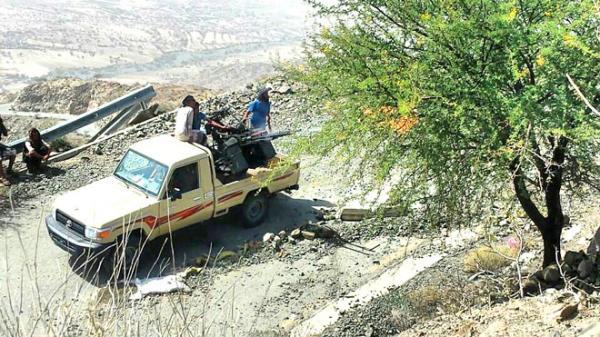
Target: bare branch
x,y
585,100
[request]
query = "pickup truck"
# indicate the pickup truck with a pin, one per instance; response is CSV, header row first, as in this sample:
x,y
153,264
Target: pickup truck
x,y
160,185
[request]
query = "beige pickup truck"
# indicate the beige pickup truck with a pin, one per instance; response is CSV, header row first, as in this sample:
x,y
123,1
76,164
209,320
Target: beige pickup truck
x,y
160,186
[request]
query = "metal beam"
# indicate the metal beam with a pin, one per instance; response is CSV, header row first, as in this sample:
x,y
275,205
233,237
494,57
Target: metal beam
x,y
115,123
124,102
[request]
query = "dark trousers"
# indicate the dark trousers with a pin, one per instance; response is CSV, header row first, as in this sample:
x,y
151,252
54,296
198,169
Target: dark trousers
x,y
34,164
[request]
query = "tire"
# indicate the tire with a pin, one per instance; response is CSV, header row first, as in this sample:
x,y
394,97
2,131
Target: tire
x,y
254,209
123,261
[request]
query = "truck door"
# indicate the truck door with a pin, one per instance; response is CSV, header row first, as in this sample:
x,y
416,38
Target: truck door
x,y
184,202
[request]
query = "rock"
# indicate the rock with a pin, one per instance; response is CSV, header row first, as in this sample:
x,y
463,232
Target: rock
x,y
573,258
201,261
538,275
551,274
283,89
531,287
569,311
561,313
582,285
268,237
585,268
325,232
227,255
568,270
594,247
282,234
308,235
296,233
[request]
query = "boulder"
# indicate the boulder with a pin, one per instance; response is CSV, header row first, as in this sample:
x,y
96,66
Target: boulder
x,y
282,234
594,247
283,89
296,233
308,235
551,275
573,258
585,268
531,287
268,237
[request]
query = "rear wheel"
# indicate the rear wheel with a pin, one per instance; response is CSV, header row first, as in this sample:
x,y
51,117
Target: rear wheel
x,y
255,209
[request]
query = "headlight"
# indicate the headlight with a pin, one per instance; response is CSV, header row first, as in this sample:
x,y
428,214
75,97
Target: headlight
x,y
93,233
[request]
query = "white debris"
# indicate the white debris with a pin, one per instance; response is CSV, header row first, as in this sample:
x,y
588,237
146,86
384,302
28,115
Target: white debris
x,y
268,237
159,285
459,238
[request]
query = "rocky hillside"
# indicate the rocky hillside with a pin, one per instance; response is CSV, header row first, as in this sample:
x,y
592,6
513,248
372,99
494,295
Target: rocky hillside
x,y
75,96
97,161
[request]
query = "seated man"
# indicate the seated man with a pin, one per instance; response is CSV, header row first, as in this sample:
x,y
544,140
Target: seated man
x,y
6,153
36,151
184,122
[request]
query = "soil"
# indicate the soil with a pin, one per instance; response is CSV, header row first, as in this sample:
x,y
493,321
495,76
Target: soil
x,y
268,289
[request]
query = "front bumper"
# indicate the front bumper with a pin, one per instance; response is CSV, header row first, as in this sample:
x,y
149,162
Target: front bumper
x,y
73,243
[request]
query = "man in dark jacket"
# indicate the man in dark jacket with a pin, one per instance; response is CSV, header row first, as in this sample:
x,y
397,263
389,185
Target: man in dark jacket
x,y
6,153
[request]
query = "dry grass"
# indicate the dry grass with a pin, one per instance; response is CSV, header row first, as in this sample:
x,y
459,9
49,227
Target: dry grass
x,y
441,298
489,258
78,308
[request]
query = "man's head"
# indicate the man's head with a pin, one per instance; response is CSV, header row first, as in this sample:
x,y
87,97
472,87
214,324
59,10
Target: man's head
x,y
189,101
263,94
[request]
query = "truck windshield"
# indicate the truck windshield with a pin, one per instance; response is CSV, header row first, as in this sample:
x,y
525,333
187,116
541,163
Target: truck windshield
x,y
142,172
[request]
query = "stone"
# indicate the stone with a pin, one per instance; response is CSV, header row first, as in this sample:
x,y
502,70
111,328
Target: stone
x,y
573,258
531,287
561,312
568,312
538,275
268,237
296,233
594,247
308,235
551,275
284,89
282,234
585,268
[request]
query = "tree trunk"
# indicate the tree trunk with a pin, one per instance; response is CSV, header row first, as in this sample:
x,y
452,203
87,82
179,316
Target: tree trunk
x,y
551,238
550,226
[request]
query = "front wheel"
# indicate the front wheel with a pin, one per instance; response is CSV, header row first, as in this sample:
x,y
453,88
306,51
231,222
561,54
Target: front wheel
x,y
123,262
255,209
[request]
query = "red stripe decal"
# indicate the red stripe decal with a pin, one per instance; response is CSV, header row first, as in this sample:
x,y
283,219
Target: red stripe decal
x,y
283,177
153,222
230,196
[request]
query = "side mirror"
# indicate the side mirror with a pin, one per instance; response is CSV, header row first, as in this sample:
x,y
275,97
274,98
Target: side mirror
x,y
175,194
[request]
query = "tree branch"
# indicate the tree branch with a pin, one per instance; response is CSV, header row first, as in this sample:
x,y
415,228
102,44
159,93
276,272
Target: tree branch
x,y
523,194
585,100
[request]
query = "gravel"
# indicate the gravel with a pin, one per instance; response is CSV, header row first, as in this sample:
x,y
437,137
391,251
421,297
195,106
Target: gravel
x,y
100,160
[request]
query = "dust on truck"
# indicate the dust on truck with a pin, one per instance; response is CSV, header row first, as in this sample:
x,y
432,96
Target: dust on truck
x,y
162,185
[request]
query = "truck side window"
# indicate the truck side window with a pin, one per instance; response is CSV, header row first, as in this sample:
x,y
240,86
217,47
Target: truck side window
x,y
185,178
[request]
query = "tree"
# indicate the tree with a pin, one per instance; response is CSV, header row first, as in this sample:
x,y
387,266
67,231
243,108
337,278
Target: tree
x,y
467,99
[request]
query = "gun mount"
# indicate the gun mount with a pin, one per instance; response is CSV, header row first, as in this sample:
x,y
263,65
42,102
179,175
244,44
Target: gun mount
x,y
237,149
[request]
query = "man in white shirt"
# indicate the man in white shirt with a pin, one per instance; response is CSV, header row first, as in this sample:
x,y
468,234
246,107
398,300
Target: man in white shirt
x,y
184,122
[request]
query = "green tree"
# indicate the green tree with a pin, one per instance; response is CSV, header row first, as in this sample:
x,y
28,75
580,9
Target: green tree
x,y
468,99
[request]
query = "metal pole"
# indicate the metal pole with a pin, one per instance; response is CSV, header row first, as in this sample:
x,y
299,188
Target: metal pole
x,y
125,102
